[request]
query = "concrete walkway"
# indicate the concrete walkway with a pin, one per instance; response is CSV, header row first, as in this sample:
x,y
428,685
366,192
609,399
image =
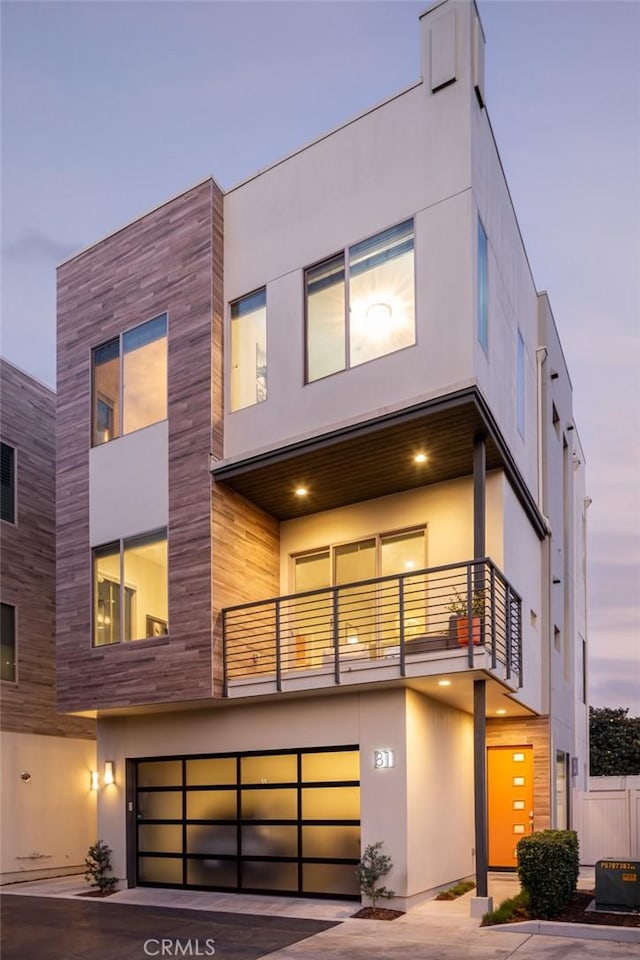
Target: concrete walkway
x,y
433,930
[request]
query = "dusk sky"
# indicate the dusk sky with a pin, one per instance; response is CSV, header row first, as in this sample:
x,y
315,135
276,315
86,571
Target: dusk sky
x,y
110,108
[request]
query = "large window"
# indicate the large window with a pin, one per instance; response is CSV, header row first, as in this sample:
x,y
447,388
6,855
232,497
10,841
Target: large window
x,y
130,589
130,381
8,641
483,303
520,384
249,350
364,622
7,483
360,304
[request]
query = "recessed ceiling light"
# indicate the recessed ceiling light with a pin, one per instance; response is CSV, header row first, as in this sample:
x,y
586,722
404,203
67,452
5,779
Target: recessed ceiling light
x,y
409,565
420,458
444,683
501,712
301,491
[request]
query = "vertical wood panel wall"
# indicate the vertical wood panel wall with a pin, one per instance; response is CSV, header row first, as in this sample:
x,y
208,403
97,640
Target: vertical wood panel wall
x,y
165,261
27,559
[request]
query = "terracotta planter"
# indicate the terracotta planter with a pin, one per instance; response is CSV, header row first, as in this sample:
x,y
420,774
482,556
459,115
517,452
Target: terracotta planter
x,y
462,630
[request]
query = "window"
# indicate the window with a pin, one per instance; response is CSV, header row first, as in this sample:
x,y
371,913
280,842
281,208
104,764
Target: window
x,y
130,589
249,350
130,381
520,385
8,641
7,483
483,317
360,304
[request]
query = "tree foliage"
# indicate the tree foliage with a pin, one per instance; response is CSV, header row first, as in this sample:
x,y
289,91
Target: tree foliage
x,y
614,742
373,866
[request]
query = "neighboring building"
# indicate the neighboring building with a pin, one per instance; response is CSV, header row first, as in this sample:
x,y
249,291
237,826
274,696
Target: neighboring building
x,y
48,809
305,427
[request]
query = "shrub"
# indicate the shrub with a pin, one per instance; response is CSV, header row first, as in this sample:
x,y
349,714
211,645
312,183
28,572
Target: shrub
x,y
373,866
98,864
548,867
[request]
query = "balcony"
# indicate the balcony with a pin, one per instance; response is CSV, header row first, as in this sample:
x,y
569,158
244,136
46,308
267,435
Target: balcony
x,y
456,617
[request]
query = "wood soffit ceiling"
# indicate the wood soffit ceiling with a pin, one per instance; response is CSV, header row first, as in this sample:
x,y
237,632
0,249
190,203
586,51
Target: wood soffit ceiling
x,y
370,460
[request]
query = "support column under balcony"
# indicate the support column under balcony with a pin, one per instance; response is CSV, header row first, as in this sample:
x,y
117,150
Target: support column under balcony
x,y
479,495
481,903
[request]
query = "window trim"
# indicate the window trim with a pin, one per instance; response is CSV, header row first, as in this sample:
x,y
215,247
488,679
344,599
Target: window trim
x,y
230,305
345,254
482,290
14,607
119,338
14,485
330,548
520,384
120,542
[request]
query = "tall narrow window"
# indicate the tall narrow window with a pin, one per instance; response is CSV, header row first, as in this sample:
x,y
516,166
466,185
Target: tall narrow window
x,y
249,350
144,374
483,302
130,589
520,385
326,318
8,642
130,381
365,312
7,483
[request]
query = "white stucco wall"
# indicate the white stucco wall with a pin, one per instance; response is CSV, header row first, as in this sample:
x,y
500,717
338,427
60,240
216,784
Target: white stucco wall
x,y
440,822
49,821
409,157
139,501
431,772
522,562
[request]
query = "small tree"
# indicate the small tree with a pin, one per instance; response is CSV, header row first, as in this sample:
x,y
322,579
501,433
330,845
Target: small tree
x,y
98,864
373,866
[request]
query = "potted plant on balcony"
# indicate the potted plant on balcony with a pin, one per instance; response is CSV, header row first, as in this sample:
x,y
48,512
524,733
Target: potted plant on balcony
x,y
459,607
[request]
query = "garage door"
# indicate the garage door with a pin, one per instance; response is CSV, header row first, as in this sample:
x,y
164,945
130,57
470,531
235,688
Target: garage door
x,y
283,822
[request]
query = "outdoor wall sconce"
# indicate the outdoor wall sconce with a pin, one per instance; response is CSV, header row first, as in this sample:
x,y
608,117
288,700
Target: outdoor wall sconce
x,y
94,780
109,772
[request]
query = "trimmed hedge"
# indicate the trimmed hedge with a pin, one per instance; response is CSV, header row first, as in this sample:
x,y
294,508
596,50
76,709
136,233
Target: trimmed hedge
x,y
548,866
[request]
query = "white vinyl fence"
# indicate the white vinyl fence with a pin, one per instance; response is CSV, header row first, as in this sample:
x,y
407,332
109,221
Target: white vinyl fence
x,y
607,819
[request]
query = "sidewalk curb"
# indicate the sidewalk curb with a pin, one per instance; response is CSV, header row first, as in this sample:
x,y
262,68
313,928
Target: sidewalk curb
x,y
578,931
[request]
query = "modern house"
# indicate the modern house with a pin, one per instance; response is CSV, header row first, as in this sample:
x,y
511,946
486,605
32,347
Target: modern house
x,y
321,513
48,813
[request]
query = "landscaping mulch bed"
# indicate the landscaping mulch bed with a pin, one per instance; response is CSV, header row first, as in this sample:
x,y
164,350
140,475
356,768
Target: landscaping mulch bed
x,y
377,913
577,912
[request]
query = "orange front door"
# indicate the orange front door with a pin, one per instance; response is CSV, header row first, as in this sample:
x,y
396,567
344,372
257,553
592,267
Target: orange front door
x,y
510,788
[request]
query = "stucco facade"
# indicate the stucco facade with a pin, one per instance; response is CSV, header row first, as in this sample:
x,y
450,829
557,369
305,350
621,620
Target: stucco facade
x,y
347,441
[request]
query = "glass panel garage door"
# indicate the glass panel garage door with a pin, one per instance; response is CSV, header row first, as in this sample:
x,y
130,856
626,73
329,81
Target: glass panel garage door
x,y
280,822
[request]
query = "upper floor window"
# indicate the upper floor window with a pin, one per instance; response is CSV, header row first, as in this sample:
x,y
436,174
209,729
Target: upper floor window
x,y
130,592
130,381
520,385
360,304
8,642
7,483
483,302
249,350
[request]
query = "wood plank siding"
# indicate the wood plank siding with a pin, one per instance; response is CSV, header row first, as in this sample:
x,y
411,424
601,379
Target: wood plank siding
x,y
246,559
533,731
167,261
27,560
